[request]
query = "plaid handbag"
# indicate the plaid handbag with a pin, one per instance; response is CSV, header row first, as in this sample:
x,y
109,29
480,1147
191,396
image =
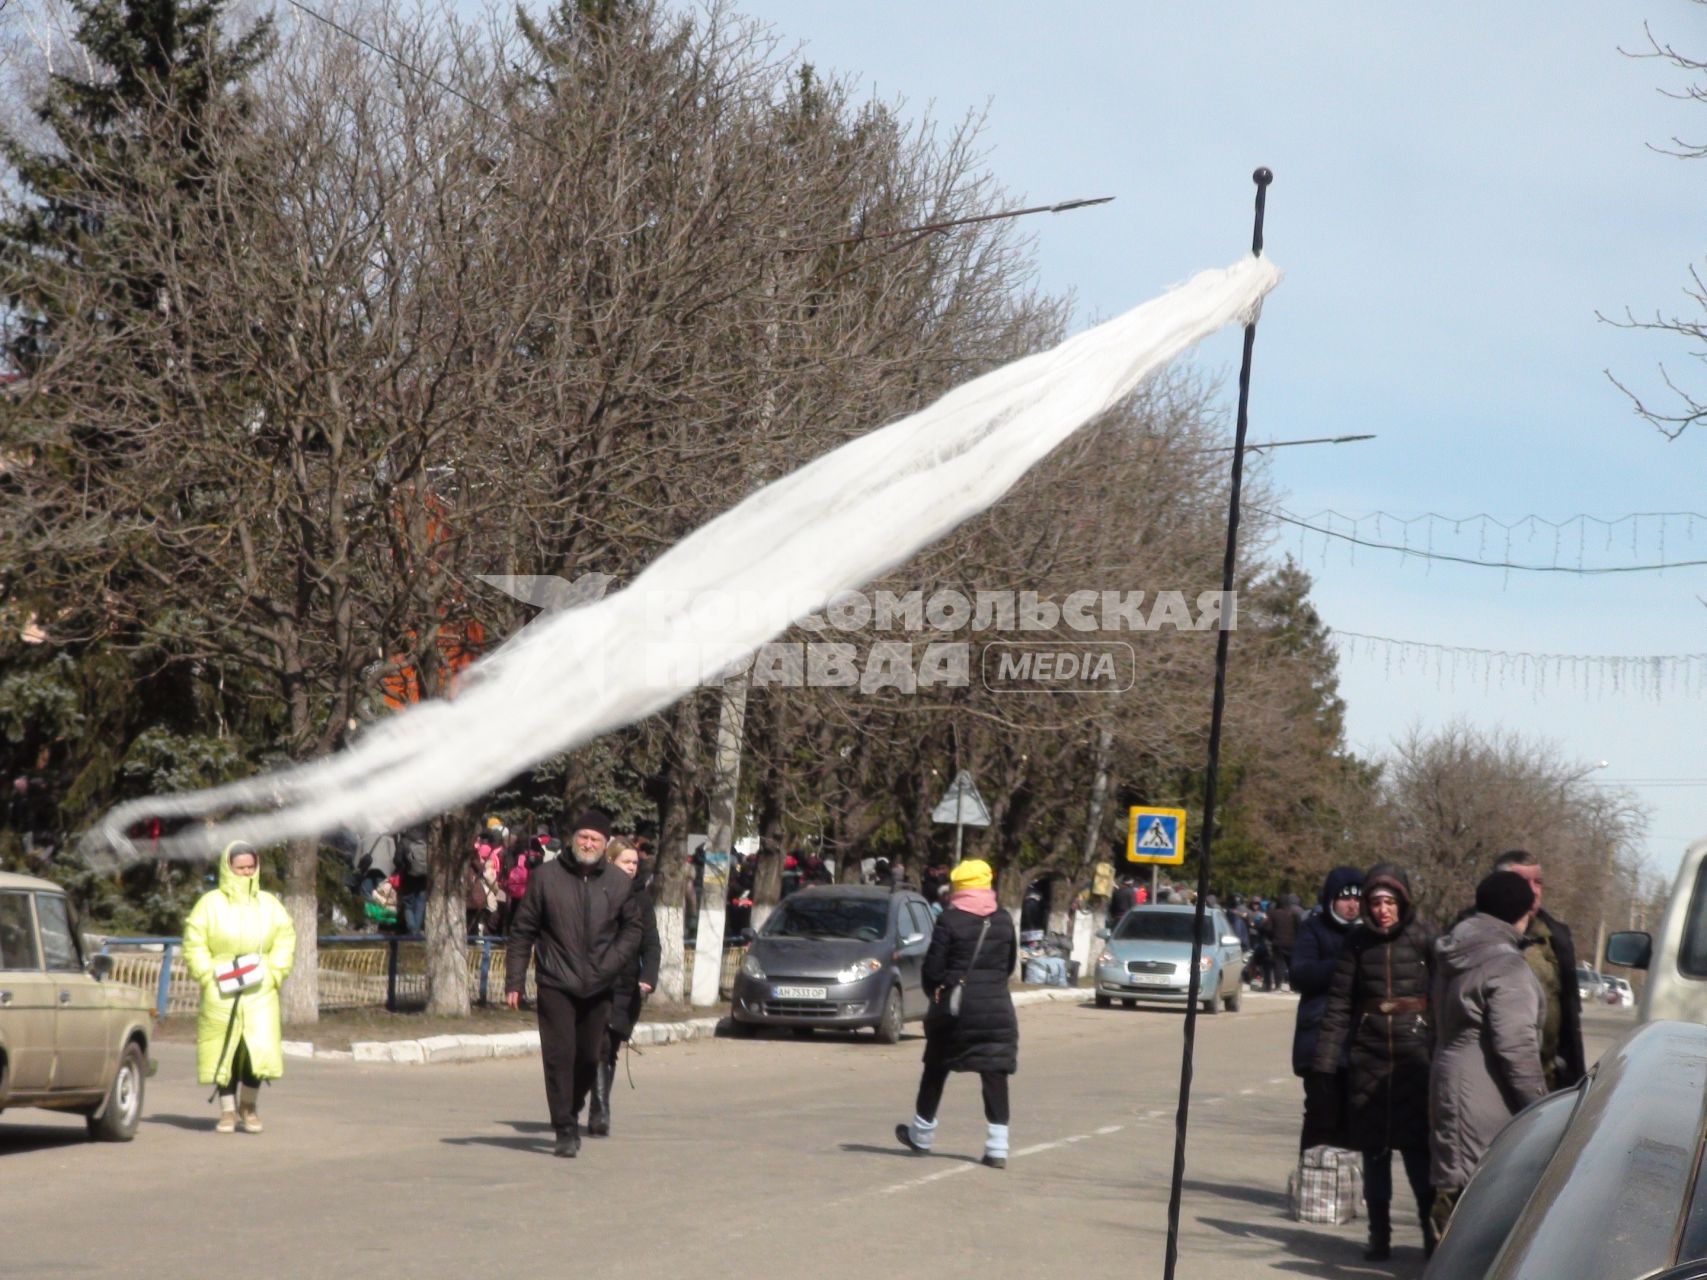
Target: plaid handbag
x,y
1326,1186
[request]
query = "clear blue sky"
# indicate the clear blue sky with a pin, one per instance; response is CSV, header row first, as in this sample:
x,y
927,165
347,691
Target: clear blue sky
x,y
1459,187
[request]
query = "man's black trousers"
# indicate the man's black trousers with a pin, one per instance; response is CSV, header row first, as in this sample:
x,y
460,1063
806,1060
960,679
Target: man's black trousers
x,y
571,1038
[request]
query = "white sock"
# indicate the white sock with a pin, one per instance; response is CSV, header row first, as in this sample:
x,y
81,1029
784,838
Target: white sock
x,y
921,1131
996,1140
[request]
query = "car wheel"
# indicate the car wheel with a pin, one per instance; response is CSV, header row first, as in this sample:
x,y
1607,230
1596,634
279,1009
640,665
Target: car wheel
x,y
117,1121
1103,1002
1213,1003
1128,1004
742,1030
1236,999
889,1030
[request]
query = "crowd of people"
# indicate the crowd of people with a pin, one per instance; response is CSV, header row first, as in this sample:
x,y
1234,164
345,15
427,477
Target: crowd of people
x,y
1410,1041
1424,1044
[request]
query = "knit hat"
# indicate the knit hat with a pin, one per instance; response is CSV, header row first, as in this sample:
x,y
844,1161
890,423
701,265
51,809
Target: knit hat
x,y
1505,895
974,873
593,820
1341,882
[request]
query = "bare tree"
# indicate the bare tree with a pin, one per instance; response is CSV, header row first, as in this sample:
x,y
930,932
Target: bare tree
x,y
1685,409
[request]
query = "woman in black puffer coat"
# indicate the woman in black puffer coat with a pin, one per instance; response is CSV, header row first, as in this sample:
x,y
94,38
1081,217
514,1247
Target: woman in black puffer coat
x,y
1379,1005
985,1037
629,994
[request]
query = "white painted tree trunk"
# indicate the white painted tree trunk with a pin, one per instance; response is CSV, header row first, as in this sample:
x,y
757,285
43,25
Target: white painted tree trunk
x,y
708,952
1084,940
672,967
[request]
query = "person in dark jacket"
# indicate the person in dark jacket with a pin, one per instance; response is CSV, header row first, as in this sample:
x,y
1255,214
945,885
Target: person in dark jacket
x,y
580,923
1314,956
1377,1013
972,947
1489,1014
633,985
1552,958
1283,924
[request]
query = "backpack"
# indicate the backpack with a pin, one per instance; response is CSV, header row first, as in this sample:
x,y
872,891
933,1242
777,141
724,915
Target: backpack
x,y
412,857
516,881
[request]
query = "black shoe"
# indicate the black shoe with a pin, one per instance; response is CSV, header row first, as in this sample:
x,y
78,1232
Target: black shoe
x,y
1380,1246
904,1135
568,1143
598,1110
995,1162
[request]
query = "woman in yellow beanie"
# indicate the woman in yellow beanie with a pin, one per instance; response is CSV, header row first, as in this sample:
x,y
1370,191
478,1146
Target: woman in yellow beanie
x,y
972,955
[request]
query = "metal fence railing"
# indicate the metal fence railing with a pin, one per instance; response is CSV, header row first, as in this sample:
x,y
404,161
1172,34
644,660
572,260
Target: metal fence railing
x,y
357,971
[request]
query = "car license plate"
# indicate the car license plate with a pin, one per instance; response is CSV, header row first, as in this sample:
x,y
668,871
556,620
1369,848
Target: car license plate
x,y
799,993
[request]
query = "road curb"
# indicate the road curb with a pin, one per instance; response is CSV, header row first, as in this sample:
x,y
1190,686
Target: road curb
x,y
430,1050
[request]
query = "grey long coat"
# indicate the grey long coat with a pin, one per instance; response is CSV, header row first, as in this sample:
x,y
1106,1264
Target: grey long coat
x,y
1487,1062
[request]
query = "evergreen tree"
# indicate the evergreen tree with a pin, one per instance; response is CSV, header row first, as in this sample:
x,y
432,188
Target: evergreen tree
x,y
93,708
162,74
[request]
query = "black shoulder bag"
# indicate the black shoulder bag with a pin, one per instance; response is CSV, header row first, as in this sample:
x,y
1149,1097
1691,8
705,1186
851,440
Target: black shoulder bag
x,y
952,1004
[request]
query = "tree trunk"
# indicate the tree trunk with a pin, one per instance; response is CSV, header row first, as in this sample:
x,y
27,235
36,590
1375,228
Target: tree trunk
x,y
1099,799
299,998
726,767
767,869
672,874
447,924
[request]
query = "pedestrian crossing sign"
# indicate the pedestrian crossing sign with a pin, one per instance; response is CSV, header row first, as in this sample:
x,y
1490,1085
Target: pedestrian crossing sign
x,y
1155,835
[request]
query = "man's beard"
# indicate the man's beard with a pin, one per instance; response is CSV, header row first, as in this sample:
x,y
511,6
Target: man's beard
x,y
588,859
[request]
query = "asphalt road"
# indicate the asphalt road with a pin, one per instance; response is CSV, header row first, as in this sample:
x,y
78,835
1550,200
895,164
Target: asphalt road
x,y
772,1157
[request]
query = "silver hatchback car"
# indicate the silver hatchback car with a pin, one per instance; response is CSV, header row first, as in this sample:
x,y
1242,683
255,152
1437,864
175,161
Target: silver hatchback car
x,y
1147,956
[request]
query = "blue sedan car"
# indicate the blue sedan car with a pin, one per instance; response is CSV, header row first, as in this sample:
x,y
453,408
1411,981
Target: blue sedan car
x,y
1148,957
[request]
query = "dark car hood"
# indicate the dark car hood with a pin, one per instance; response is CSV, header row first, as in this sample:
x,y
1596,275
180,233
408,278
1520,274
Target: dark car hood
x,y
807,957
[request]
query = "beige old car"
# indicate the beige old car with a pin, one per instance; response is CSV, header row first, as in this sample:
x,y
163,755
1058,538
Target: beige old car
x,y
70,1040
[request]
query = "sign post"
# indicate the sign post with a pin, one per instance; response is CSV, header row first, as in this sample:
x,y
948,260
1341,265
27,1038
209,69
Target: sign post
x,y
1157,837
964,807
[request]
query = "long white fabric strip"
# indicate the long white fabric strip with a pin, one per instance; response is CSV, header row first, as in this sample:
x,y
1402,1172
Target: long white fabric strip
x,y
830,526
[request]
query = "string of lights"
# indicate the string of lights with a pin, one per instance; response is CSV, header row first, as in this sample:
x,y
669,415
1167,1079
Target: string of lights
x,y
1421,553
1593,675
1499,540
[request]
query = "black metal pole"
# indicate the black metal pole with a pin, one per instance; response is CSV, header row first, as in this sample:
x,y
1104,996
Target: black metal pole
x,y
1262,177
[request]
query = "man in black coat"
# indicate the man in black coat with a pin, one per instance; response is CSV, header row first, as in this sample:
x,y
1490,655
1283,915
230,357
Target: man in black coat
x,y
580,922
1282,927
1552,958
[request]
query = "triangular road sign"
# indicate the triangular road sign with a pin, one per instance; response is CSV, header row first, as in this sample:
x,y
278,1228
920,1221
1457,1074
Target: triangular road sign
x,y
961,803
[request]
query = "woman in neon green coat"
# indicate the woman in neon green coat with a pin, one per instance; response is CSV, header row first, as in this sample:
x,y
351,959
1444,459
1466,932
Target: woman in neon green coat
x,y
238,1038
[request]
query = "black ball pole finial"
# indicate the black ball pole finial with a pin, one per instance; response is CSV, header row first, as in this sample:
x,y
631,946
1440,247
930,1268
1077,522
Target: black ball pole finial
x,y
1262,177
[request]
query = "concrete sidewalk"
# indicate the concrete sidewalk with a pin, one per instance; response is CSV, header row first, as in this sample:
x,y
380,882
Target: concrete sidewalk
x,y
429,1050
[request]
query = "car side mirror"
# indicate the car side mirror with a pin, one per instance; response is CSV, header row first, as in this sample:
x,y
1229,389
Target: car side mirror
x,y
1629,948
1231,940
100,966
747,936
1104,934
